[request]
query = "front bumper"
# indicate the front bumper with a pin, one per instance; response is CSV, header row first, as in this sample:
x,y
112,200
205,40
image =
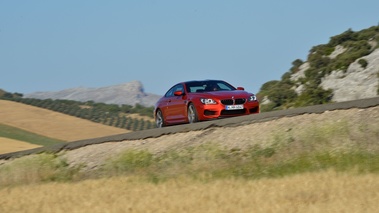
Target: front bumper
x,y
208,112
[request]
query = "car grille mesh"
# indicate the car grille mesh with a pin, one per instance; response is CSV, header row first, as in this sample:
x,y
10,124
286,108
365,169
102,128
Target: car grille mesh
x,y
232,112
233,101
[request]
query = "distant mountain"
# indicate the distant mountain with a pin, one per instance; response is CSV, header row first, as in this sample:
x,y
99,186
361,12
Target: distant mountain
x,y
346,68
130,93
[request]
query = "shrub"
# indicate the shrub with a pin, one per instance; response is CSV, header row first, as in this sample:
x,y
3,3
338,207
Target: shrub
x,y
363,63
279,93
295,65
313,95
339,39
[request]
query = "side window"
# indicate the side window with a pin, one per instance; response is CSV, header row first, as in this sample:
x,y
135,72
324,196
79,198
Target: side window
x,y
170,93
179,87
175,88
223,86
195,87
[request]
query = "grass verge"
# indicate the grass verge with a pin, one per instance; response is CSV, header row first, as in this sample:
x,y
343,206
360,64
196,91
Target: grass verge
x,y
210,162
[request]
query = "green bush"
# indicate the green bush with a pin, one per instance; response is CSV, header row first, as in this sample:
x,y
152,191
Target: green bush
x,y
280,93
313,95
368,34
295,65
363,63
340,39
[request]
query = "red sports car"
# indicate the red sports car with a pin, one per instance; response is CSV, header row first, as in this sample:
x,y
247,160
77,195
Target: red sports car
x,y
193,101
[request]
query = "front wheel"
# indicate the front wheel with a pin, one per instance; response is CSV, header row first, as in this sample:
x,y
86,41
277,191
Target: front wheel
x,y
159,120
192,114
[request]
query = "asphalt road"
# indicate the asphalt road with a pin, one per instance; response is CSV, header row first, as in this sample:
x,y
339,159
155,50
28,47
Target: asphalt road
x,y
235,121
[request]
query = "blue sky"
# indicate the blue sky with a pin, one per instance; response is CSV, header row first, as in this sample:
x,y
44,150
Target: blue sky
x,y
54,45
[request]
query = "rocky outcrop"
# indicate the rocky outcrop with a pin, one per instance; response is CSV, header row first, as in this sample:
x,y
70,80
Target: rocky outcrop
x,y
130,93
357,82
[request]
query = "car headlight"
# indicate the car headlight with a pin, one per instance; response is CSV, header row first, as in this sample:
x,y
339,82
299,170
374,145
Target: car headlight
x,y
207,101
252,98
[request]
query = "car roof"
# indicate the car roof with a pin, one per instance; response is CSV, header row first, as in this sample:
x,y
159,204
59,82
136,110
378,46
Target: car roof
x,y
206,80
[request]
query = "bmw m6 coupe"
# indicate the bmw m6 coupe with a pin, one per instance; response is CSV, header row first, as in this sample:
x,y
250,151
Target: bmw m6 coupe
x,y
193,101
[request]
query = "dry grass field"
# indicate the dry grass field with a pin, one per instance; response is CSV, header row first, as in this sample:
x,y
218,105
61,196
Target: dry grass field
x,y
50,124
10,145
326,191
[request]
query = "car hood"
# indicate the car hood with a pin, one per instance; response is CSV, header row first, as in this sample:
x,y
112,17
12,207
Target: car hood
x,y
225,94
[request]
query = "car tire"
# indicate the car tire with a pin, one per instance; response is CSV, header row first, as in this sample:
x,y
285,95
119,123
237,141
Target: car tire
x,y
192,114
159,120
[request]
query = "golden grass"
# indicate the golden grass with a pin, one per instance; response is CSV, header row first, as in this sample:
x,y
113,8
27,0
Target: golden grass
x,y
326,191
10,145
52,124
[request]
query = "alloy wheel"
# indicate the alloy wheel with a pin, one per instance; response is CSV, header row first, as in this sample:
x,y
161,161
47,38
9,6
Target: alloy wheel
x,y
159,119
191,113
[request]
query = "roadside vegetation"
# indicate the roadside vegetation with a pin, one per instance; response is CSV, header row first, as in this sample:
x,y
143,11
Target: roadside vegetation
x,y
209,163
107,114
281,92
204,163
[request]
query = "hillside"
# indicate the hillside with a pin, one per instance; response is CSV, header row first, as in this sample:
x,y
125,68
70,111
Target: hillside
x,y
130,93
122,116
346,68
52,124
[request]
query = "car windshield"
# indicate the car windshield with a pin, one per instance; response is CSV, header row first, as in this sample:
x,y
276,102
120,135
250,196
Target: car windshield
x,y
208,86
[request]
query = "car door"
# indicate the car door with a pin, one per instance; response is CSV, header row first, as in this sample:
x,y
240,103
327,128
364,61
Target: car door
x,y
176,106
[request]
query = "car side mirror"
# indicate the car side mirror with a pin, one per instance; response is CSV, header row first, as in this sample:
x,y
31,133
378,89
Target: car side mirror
x,y
240,88
178,93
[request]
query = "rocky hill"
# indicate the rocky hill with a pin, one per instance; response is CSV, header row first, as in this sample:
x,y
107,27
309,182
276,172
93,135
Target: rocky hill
x,y
346,68
356,82
130,93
